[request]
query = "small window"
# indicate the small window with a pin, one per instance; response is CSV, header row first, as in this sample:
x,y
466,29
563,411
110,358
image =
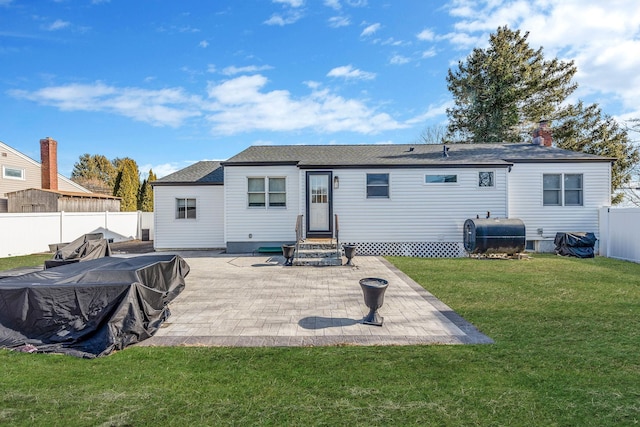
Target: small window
x,y
257,196
562,190
12,173
185,208
551,190
573,189
486,179
377,185
271,192
435,179
277,192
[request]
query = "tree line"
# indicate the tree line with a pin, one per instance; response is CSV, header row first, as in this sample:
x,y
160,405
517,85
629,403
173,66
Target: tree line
x,y
501,93
119,177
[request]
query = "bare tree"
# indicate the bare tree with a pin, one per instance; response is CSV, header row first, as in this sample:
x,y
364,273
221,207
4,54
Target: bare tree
x,y
434,134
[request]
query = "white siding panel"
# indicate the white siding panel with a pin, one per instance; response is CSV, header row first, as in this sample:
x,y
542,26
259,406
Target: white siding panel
x,y
525,198
264,224
415,211
203,232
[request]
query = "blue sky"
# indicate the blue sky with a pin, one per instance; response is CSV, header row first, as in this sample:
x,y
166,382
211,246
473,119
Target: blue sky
x,y
168,83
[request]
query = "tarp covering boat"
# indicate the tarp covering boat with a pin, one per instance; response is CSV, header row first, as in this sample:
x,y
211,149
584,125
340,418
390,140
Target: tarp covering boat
x,y
90,308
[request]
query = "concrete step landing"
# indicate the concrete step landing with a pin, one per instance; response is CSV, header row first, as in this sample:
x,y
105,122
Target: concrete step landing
x,y
318,252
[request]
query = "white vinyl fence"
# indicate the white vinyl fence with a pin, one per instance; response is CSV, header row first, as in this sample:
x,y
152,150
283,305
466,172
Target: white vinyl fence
x,y
620,233
28,233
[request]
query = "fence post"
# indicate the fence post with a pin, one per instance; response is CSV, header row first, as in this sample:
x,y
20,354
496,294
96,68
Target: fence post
x,y
61,226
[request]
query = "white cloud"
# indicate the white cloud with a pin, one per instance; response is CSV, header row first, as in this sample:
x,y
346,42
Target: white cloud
x,y
163,169
58,24
430,53
334,4
289,17
399,60
291,3
234,106
426,35
370,29
348,72
232,70
432,112
241,105
164,107
203,44
339,21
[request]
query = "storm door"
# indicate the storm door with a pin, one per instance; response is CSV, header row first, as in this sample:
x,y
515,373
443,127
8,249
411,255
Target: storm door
x,y
319,204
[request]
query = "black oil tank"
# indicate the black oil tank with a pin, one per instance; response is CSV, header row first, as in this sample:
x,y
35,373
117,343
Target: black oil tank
x,y
494,235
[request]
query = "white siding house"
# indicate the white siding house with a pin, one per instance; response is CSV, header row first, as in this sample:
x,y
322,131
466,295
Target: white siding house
x,y
526,200
388,199
189,208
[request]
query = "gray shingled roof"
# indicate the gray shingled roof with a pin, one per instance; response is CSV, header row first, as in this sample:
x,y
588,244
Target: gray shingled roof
x,y
201,173
406,155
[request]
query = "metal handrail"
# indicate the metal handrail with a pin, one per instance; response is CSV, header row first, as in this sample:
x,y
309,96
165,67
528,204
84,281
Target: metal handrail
x,y
337,234
299,233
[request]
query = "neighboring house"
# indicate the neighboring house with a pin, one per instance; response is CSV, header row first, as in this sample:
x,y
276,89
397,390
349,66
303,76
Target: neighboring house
x,y
390,199
20,172
189,208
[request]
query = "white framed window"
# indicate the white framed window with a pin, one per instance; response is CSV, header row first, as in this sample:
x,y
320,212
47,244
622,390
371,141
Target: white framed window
x,y
13,173
573,189
267,191
486,179
186,208
377,186
562,189
440,179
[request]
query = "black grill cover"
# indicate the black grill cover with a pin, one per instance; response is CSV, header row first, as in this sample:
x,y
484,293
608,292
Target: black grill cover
x,y
577,244
84,248
91,308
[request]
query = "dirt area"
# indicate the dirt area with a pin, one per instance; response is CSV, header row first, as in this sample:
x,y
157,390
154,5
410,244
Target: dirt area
x,y
132,247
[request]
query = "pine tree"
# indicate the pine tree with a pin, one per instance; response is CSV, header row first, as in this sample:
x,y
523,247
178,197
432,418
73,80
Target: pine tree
x,y
588,130
145,196
501,91
127,184
94,172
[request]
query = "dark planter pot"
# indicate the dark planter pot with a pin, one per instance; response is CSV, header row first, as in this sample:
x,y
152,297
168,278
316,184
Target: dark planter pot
x,y
288,252
373,290
349,253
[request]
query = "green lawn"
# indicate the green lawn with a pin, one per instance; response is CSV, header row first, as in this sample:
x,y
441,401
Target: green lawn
x,y
23,261
567,353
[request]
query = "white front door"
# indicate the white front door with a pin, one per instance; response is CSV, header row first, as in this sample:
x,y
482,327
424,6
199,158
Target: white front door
x,y
318,201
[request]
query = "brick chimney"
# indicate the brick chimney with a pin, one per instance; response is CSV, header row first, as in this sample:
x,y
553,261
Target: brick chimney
x,y
49,163
542,135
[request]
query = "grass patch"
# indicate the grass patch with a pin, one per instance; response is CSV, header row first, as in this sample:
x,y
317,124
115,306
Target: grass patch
x,y
566,353
23,261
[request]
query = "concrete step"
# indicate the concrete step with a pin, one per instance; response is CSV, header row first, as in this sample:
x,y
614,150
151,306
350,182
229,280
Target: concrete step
x,y
317,261
317,253
314,246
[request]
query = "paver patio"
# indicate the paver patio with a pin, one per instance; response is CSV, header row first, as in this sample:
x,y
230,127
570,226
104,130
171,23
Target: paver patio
x,y
252,301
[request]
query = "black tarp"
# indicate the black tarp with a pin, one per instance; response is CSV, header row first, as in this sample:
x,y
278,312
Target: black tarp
x,y
576,244
91,308
84,248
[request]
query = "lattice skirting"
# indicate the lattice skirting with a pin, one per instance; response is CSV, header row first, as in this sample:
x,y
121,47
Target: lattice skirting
x,y
411,249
